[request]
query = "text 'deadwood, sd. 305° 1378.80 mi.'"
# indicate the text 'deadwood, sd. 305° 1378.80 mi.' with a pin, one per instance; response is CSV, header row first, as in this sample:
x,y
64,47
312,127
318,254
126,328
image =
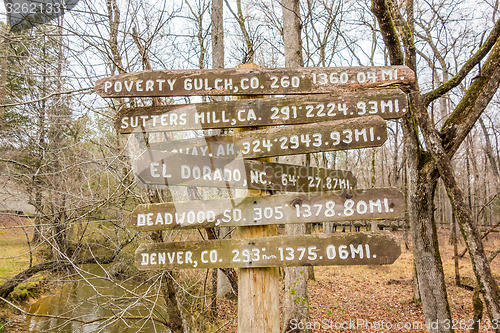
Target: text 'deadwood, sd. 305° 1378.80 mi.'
x,y
347,205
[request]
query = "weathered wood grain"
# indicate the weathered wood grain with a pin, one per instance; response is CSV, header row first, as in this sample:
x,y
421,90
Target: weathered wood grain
x,y
344,134
251,81
360,248
387,103
386,203
258,289
167,169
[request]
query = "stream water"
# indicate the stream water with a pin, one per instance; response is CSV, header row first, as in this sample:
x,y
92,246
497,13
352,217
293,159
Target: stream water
x,y
88,298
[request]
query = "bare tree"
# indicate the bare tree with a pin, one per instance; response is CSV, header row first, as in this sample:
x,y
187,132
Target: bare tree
x,y
442,145
249,37
295,299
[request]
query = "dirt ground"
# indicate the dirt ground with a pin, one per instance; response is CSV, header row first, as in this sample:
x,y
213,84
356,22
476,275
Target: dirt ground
x,y
379,298
357,298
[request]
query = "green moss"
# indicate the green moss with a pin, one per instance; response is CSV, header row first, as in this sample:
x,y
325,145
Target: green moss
x,y
424,157
28,289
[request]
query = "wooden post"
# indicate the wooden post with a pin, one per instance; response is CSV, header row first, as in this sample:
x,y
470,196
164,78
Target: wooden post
x,y
258,288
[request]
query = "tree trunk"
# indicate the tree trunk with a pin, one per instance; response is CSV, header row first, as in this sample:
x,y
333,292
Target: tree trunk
x,y
295,300
461,209
428,266
454,242
169,295
416,291
478,307
431,282
442,145
491,157
225,285
3,74
217,34
249,43
472,239
328,227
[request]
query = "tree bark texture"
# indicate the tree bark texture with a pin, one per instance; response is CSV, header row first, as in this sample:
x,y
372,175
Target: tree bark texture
x,y
491,156
168,289
491,81
3,73
295,300
443,145
227,279
428,265
217,34
465,221
258,288
169,294
421,188
292,33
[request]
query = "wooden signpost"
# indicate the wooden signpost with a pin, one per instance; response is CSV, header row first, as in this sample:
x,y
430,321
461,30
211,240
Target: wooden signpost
x,y
361,248
251,81
258,288
167,169
280,208
333,135
387,103
341,114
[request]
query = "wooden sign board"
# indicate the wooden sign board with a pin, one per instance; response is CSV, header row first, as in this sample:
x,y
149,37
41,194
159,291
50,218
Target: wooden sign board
x,y
159,168
251,81
387,203
370,131
360,248
387,103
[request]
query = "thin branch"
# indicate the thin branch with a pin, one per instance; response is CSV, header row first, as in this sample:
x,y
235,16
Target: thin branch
x,y
492,228
466,68
8,287
227,323
85,322
67,92
473,103
493,255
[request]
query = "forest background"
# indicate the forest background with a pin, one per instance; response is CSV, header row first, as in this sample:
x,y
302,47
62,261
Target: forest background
x,y
60,152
